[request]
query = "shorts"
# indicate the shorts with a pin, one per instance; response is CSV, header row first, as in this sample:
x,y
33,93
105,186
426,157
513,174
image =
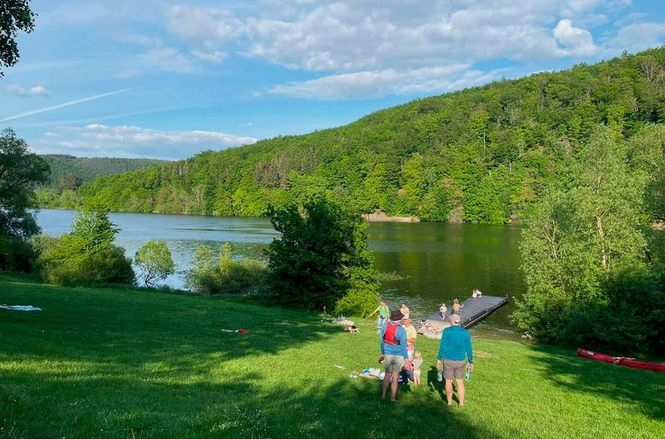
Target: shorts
x,y
393,363
454,369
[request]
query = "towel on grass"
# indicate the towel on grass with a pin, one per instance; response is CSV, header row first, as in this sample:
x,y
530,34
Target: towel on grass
x,y
20,307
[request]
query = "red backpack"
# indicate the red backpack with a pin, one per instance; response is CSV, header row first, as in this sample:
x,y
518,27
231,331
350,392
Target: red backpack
x,y
389,335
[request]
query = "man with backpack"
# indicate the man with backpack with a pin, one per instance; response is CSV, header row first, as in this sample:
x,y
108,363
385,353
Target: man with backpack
x,y
393,353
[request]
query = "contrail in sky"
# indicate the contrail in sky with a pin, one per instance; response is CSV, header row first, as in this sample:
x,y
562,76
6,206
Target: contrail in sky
x,y
65,104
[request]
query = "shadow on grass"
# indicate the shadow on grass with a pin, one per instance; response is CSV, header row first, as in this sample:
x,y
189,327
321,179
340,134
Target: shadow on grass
x,y
642,389
101,363
242,408
433,383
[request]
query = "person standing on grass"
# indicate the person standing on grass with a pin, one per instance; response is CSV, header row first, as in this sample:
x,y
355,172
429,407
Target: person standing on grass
x,y
393,353
454,351
384,312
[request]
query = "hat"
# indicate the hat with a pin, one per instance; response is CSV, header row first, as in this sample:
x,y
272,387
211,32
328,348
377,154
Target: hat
x,y
396,315
454,318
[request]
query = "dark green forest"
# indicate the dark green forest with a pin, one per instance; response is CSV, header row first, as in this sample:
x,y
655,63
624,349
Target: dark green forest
x,y
68,173
479,155
87,169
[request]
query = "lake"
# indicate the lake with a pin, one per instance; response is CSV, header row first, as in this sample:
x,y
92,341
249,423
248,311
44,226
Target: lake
x,y
437,262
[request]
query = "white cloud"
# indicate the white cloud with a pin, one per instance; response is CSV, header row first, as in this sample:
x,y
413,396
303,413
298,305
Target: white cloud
x,y
200,25
35,90
207,30
156,54
369,84
348,42
132,141
128,73
93,12
637,36
573,40
169,59
214,56
368,48
17,90
351,35
38,90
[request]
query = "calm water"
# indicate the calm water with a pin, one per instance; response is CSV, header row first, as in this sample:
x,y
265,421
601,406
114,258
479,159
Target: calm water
x,y
438,262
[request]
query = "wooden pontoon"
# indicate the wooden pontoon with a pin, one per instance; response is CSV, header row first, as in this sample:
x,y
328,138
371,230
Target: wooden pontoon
x,y
473,310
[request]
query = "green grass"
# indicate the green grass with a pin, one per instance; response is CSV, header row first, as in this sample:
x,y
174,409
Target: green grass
x,y
122,363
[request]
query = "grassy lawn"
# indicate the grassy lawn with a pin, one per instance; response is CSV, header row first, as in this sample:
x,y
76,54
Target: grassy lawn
x,y
125,363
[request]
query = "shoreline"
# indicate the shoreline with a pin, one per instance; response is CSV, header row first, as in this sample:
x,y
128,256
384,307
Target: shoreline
x,y
381,217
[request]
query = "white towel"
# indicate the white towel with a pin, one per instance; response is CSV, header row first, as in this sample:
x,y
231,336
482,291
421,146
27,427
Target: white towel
x,y
20,307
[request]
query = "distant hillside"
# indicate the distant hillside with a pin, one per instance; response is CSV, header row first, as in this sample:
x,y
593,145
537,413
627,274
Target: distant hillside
x,y
63,167
479,155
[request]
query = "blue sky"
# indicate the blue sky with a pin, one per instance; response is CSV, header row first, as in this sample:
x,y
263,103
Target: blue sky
x,y
167,79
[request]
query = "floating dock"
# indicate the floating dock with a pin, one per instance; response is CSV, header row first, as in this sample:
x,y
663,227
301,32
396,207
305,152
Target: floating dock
x,y
473,310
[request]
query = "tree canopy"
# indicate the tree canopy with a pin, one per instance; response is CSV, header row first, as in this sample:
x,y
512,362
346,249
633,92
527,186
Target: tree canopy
x,y
20,172
585,249
154,261
15,16
321,256
86,169
480,155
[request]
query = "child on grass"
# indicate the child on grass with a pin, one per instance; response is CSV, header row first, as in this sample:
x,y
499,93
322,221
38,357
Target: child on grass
x,y
417,363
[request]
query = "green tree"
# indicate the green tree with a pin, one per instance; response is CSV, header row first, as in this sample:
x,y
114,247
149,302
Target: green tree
x,y
15,16
413,184
69,182
578,237
95,228
609,200
154,261
321,255
646,150
20,172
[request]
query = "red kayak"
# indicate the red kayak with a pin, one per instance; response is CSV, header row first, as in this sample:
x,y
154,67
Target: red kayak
x,y
622,361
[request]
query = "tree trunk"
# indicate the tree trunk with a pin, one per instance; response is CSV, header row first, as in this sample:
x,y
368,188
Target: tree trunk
x,y
601,235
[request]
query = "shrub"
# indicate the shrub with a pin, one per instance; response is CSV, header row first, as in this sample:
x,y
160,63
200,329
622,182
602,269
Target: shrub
x,y
629,319
85,256
357,302
228,276
65,261
16,255
154,261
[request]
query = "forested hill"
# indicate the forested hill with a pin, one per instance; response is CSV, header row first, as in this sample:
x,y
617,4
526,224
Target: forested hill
x,y
479,155
68,171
